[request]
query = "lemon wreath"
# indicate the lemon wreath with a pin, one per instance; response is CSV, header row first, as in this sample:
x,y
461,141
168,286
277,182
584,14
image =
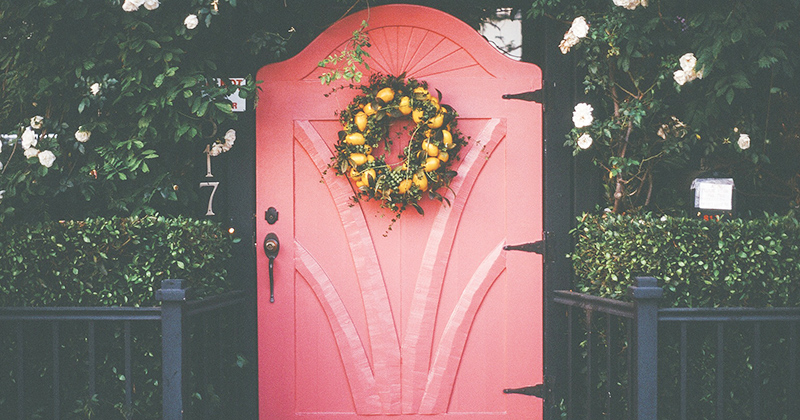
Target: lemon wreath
x,y
423,164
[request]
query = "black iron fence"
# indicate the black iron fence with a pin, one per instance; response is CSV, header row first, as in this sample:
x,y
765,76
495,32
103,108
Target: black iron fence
x,y
633,360
180,360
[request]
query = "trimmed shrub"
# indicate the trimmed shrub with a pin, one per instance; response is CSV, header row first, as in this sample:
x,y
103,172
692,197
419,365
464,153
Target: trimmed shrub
x,y
109,262
753,263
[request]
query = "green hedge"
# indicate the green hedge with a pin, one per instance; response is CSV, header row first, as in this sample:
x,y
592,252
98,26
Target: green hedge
x,y
699,263
109,262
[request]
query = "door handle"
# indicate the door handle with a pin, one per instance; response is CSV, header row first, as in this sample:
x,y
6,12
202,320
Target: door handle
x,y
271,247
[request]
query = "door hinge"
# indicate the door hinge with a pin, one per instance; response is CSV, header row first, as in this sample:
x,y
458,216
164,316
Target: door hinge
x,y
535,247
533,391
534,96
543,247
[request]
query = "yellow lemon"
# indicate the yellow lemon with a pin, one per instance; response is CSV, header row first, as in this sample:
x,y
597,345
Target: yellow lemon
x,y
416,115
367,149
431,148
354,139
436,121
361,120
432,164
358,159
370,110
421,181
444,156
368,177
421,92
447,139
370,158
405,105
354,174
386,95
404,186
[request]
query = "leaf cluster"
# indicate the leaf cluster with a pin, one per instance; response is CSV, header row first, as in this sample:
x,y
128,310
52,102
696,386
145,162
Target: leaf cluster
x,y
752,263
109,262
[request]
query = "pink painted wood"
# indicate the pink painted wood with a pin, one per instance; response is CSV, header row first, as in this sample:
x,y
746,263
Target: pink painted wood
x,y
433,319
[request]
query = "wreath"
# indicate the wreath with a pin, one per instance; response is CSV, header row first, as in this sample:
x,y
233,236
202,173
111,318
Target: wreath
x,y
423,165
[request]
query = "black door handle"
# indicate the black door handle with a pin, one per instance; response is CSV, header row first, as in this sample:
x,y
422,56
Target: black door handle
x,y
271,247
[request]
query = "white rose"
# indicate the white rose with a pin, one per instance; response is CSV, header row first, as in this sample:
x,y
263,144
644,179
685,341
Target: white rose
x,y
151,4
579,27
680,77
31,152
230,136
744,141
628,4
28,138
582,115
688,61
569,41
584,141
216,149
37,122
46,158
191,21
82,135
129,6
95,88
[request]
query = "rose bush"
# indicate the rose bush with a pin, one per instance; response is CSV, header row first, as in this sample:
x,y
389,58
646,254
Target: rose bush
x,y
682,88
106,107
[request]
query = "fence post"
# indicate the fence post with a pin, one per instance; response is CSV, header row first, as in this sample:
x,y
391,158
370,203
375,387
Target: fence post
x,y
173,297
646,294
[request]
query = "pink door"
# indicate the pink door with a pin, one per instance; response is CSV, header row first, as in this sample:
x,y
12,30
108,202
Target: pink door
x,y
431,319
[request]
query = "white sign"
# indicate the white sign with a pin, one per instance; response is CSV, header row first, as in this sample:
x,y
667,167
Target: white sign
x,y
238,104
713,193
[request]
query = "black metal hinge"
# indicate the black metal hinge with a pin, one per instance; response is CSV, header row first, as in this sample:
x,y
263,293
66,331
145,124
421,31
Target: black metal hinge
x,y
535,96
533,391
535,247
542,247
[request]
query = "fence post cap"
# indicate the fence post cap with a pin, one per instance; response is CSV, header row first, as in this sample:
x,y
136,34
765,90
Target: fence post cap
x,y
172,290
645,288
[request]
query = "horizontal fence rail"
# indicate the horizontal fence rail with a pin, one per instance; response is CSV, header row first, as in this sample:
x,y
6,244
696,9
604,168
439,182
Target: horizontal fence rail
x,y
633,360
56,342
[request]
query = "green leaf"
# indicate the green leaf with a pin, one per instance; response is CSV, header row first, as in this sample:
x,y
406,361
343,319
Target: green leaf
x,y
224,107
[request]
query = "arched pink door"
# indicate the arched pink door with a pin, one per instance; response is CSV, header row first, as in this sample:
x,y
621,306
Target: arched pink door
x,y
433,319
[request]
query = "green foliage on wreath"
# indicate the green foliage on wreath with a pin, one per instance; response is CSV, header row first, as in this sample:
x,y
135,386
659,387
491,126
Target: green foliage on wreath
x,y
423,165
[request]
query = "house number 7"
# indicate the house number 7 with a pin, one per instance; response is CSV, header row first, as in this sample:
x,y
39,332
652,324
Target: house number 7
x,y
213,184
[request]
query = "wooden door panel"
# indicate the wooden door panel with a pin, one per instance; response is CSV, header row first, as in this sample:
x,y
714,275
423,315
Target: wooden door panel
x,y
428,319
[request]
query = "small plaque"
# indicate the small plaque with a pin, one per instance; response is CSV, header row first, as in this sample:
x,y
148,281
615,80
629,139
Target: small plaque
x,y
713,193
238,104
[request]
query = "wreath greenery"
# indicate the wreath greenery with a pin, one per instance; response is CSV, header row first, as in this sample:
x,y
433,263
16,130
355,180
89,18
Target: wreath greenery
x,y
423,164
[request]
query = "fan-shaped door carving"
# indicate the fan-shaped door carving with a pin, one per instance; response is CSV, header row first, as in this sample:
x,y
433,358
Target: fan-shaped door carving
x,y
431,318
